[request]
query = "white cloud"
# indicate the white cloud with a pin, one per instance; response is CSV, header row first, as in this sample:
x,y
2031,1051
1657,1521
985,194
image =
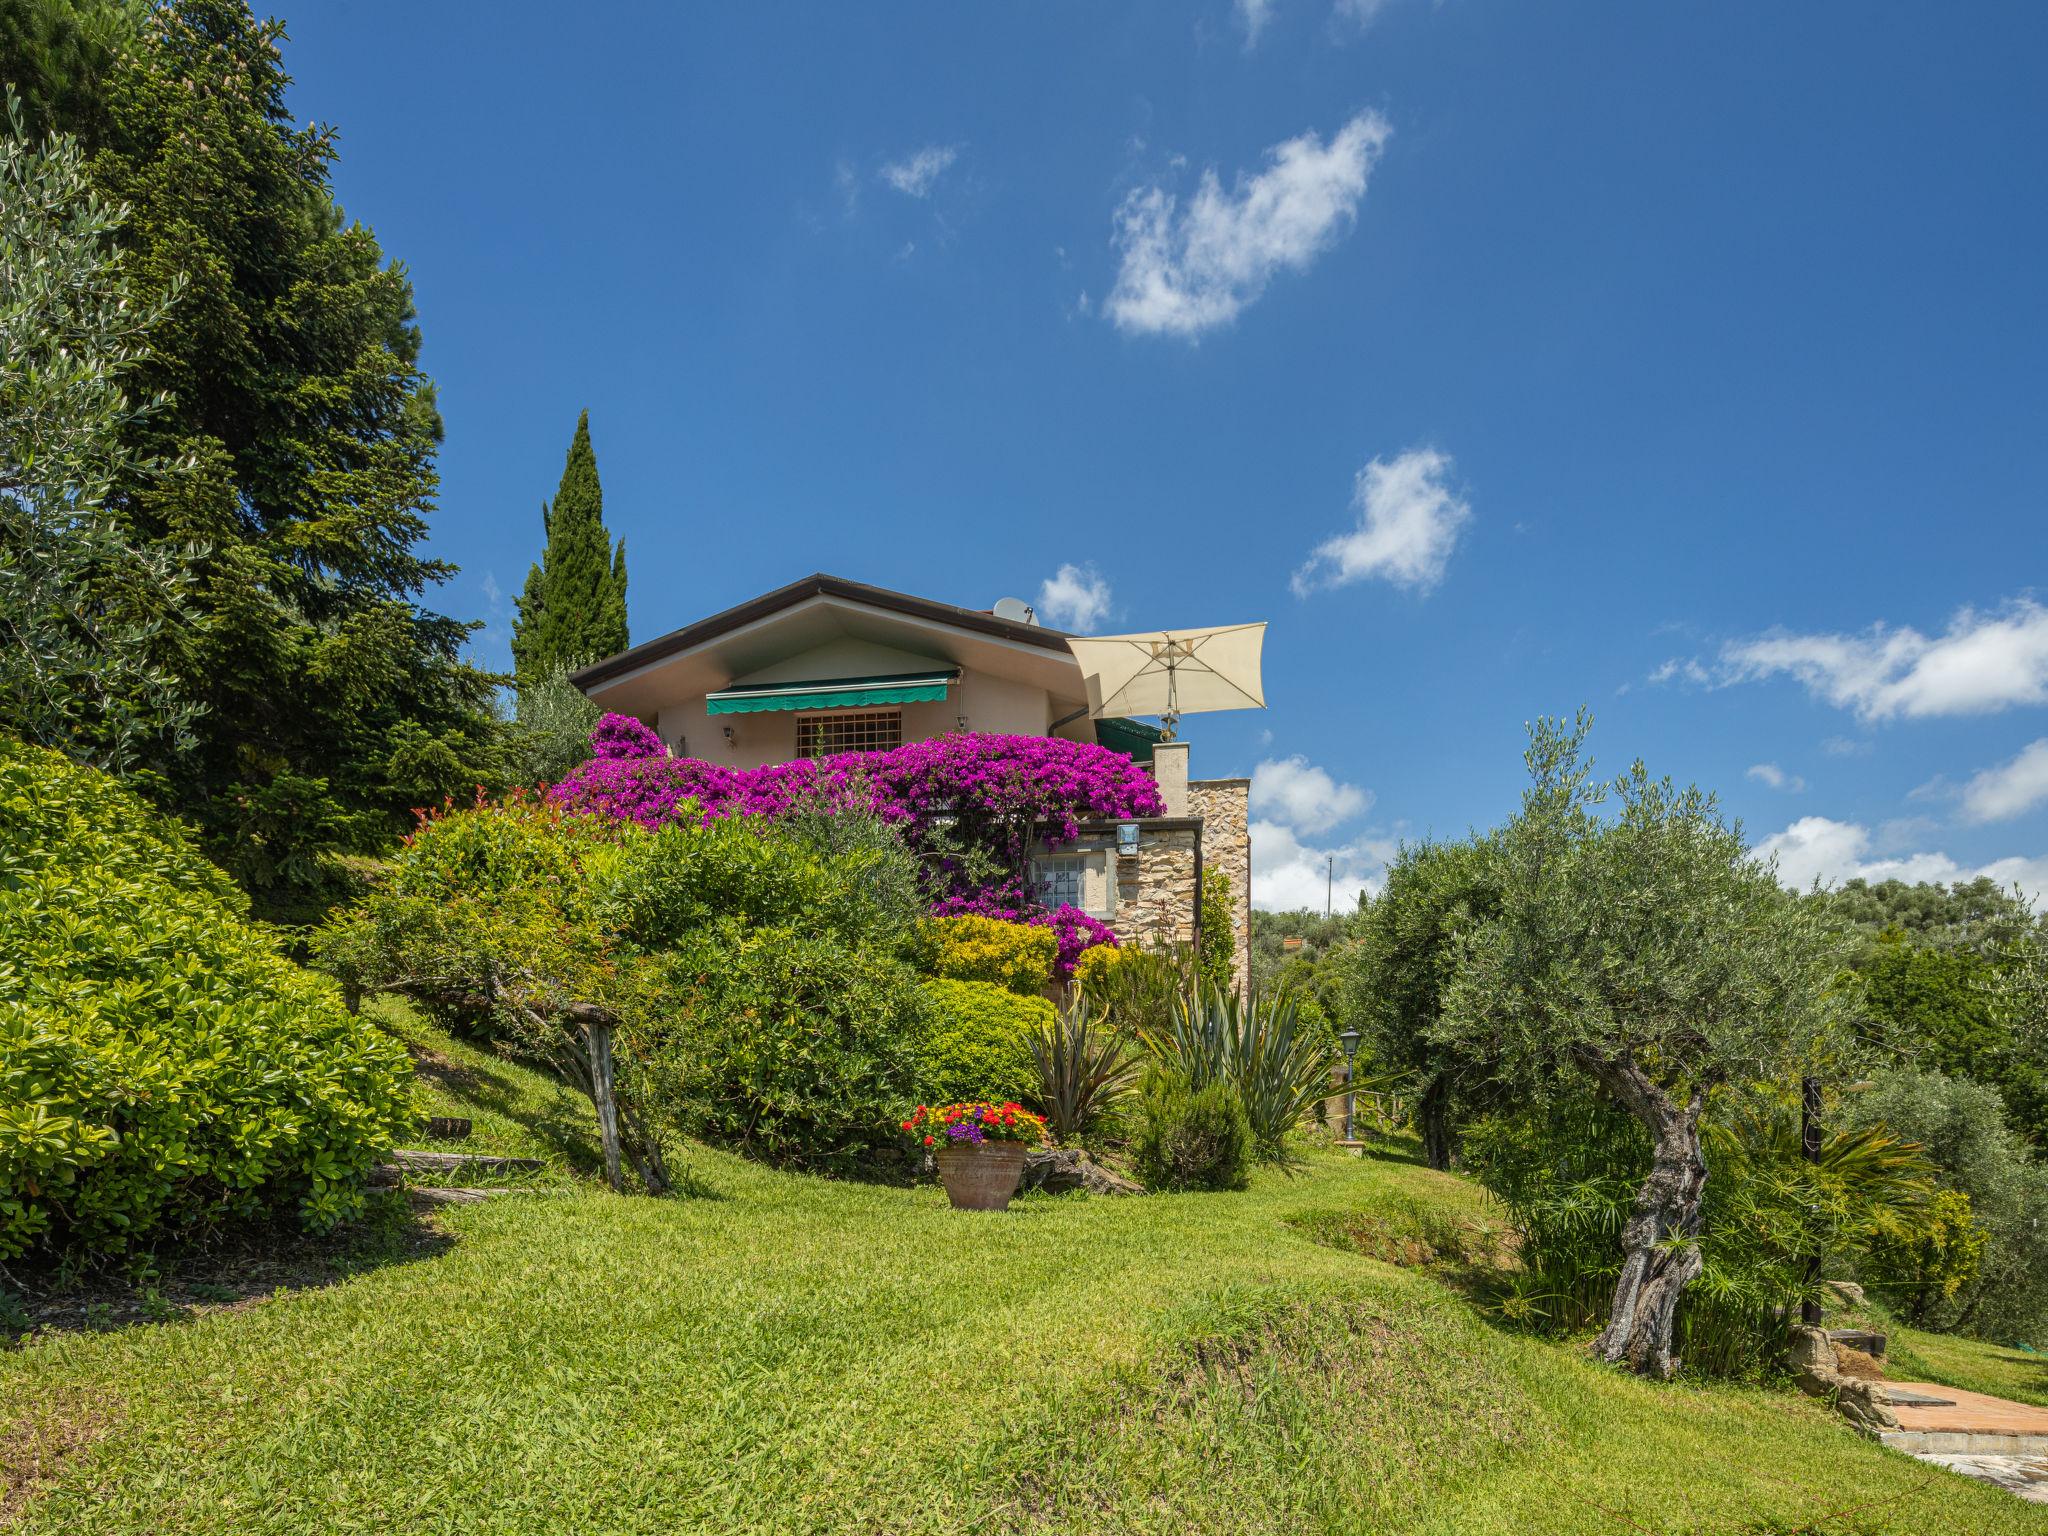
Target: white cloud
x,y
1288,874
1408,524
1075,597
2011,789
1360,13
1984,663
1776,777
1816,848
1843,746
1295,791
1685,670
1187,270
916,176
1253,15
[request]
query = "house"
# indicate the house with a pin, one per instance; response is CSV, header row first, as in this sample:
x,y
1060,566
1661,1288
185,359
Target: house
x,y
827,665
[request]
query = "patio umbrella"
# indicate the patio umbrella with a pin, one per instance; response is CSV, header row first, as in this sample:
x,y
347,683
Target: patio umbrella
x,y
1172,672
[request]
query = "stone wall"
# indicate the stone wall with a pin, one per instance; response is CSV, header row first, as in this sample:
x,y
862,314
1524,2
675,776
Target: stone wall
x,y
1225,808
1155,891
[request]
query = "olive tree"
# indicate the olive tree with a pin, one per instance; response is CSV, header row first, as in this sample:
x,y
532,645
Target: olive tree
x,y
1638,943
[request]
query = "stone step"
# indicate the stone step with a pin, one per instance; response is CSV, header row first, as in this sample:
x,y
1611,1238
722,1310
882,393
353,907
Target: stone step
x,y
442,1194
463,1162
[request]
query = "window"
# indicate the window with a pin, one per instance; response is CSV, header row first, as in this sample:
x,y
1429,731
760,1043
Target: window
x,y
866,730
1056,882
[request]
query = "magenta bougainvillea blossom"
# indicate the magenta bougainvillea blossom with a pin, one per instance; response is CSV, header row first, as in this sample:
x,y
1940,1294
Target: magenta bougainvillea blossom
x,y
1074,929
1003,793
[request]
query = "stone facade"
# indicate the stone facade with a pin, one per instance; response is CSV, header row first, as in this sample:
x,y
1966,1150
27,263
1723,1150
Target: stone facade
x,y
1148,896
1225,808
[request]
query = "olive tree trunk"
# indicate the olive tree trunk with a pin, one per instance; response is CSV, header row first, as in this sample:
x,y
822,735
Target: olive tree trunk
x,y
1434,1116
1660,1244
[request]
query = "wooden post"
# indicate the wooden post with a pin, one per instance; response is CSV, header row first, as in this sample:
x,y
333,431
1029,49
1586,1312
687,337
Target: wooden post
x,y
1809,1148
599,1034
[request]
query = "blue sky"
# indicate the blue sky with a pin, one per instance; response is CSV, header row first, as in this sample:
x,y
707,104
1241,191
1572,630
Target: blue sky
x,y
1685,362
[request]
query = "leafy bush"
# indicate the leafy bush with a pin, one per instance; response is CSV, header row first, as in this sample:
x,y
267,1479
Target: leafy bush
x,y
1018,956
1084,1068
476,896
846,876
789,1046
1216,949
162,1065
1962,1125
1135,987
978,1044
550,734
1192,1138
1257,1045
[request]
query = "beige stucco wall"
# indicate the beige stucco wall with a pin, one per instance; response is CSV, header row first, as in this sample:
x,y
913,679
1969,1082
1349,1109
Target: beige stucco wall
x,y
1225,808
995,704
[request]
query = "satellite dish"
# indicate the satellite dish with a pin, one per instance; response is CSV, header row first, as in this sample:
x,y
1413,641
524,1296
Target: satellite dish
x,y
1016,610
1173,672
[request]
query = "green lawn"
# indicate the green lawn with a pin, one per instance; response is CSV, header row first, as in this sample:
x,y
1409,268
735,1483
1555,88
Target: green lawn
x,y
786,1354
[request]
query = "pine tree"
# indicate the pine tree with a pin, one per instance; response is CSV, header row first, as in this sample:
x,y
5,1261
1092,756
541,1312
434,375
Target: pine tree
x,y
296,452
574,608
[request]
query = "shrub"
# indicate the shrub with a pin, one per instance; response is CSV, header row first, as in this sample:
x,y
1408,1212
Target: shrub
x,y
1192,1138
1134,987
1257,1045
1084,1068
1018,956
846,877
788,1046
474,896
162,1065
1963,1126
978,1043
1216,949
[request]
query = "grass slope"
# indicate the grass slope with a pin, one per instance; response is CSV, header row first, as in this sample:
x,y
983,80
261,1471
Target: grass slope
x,y
786,1354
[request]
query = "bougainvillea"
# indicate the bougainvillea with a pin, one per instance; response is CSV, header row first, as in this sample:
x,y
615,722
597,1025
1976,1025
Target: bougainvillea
x,y
1003,794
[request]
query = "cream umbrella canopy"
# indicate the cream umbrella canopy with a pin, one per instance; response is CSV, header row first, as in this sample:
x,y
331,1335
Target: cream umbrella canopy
x,y
1172,672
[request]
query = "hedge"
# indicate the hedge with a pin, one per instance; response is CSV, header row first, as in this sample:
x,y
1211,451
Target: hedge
x,y
979,1045
163,1066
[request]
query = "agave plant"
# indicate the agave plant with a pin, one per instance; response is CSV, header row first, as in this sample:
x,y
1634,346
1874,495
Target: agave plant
x,y
1258,1045
1084,1067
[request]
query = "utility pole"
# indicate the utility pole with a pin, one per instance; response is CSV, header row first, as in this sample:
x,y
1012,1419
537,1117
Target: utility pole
x,y
1329,882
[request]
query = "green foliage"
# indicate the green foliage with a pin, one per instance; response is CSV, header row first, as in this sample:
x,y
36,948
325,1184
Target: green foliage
x,y
1192,1138
845,876
1970,915
1018,956
1773,1227
162,1066
1321,938
550,734
1216,944
1085,1069
979,1043
1392,982
300,435
1135,987
1923,1264
790,1046
573,611
1277,1069
80,609
1963,1128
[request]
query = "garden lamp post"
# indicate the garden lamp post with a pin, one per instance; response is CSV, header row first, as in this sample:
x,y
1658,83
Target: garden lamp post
x,y
1349,1040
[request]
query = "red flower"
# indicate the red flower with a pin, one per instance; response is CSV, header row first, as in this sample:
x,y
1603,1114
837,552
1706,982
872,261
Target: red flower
x,y
927,1141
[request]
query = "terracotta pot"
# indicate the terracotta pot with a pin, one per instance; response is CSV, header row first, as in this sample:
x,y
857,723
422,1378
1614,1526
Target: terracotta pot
x,y
981,1178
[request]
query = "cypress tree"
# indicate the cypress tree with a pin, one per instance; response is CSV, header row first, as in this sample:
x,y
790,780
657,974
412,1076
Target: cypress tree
x,y
574,608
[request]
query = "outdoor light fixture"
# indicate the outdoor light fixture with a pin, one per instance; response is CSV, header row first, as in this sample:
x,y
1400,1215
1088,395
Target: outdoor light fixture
x,y
728,736
1127,839
1349,1040
961,721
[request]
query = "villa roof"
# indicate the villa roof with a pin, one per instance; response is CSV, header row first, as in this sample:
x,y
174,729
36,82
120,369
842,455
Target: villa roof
x,y
711,653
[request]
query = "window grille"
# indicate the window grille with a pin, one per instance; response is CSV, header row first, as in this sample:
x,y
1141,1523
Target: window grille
x,y
867,730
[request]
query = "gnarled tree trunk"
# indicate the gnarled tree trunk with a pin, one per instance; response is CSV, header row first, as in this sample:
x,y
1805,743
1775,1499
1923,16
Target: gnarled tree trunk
x,y
1433,1115
1655,1268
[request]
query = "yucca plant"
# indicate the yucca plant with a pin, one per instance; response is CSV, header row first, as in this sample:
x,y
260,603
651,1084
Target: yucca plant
x,y
1258,1045
1084,1068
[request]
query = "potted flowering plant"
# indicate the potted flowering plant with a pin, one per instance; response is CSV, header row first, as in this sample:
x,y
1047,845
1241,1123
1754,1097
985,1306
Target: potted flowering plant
x,y
979,1148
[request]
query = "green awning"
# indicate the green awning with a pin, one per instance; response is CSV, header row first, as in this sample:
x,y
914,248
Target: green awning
x,y
832,693
1133,738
